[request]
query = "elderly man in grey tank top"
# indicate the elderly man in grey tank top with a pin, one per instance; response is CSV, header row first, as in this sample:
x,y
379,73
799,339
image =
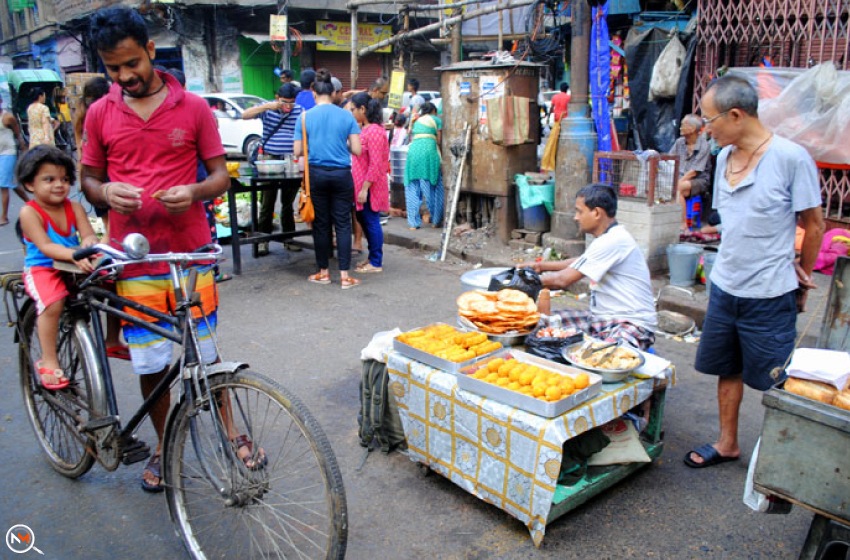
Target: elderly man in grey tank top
x,y
764,185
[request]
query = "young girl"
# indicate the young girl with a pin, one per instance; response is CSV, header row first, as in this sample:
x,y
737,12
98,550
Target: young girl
x,y
53,229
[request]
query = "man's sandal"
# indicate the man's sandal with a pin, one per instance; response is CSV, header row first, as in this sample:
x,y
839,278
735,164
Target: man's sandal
x,y
57,374
252,461
153,467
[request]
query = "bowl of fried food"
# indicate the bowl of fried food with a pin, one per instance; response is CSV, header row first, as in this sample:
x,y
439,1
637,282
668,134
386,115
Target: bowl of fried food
x,y
507,316
613,364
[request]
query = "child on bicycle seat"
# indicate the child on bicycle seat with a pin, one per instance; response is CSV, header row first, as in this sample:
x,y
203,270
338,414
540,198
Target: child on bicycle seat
x,y
53,228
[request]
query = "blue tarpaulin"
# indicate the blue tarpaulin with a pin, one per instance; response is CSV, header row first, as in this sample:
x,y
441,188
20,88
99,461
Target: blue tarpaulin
x,y
600,76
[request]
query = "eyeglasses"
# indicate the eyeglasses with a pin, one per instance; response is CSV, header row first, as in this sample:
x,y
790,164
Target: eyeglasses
x,y
288,103
706,122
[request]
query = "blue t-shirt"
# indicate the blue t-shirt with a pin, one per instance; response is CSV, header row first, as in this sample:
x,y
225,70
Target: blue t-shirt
x,y
328,128
305,99
281,142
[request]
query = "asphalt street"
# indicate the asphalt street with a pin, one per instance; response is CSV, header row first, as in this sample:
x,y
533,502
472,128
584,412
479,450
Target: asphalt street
x,y
308,337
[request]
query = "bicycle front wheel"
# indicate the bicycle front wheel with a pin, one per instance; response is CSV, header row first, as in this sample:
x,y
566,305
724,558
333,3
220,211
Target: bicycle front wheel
x,y
56,415
289,505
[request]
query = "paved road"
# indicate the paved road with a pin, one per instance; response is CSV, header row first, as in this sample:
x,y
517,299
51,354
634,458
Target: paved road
x,y
309,337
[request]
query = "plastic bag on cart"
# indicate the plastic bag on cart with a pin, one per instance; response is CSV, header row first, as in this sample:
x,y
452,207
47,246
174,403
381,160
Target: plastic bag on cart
x,y
522,279
754,499
549,347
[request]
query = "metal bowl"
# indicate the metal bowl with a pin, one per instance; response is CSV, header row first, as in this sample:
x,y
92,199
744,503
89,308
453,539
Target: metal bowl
x,y
608,375
508,339
479,279
271,167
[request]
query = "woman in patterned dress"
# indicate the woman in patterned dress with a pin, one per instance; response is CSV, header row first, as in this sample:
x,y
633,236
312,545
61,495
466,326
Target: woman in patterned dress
x,y
422,176
369,169
39,123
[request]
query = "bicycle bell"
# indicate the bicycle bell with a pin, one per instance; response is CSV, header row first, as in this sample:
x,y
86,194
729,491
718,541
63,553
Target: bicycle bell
x,y
136,246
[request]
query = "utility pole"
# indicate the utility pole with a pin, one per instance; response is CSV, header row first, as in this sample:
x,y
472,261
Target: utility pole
x,y
578,138
286,52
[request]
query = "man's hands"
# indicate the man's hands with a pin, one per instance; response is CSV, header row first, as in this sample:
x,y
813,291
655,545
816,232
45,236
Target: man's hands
x,y
533,265
806,283
124,198
177,199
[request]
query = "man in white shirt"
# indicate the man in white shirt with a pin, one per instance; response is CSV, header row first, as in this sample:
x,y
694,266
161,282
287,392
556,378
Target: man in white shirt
x,y
621,302
411,100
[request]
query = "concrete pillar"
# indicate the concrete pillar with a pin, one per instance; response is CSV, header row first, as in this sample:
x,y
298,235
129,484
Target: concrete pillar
x,y
578,138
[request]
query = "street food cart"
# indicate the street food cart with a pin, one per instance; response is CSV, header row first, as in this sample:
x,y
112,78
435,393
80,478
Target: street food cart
x,y
803,456
255,184
506,455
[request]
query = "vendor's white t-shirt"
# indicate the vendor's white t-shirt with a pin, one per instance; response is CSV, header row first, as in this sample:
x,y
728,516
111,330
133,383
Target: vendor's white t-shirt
x,y
619,279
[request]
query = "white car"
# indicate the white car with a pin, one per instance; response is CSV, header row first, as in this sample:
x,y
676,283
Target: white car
x,y
238,136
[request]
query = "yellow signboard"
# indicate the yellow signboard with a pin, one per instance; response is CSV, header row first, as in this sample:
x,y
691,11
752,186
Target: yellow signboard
x,y
396,89
337,35
278,28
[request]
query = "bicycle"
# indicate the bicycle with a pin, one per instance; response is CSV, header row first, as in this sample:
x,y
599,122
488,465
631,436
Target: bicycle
x,y
290,502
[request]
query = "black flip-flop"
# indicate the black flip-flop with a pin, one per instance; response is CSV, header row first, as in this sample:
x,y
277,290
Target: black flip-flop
x,y
153,467
710,457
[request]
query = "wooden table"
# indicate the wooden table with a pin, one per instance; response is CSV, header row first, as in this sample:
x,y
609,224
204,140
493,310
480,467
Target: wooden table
x,y
506,456
254,185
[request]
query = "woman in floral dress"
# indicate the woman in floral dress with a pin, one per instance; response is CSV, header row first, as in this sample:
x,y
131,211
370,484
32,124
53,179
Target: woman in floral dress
x,y
369,169
39,123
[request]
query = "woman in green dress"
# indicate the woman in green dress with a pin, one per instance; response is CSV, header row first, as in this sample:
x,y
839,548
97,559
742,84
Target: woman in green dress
x,y
422,176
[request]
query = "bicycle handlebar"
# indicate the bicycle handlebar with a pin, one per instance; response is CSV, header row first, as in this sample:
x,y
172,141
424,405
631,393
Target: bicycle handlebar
x,y
210,251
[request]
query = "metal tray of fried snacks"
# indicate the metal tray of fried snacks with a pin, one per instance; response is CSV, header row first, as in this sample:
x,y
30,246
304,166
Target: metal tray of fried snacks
x,y
435,361
526,402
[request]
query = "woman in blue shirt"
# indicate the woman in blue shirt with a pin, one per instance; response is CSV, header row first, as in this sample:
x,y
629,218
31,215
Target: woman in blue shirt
x,y
332,136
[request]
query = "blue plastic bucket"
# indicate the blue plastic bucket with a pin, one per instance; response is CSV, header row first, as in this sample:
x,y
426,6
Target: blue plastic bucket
x,y
708,262
534,218
683,260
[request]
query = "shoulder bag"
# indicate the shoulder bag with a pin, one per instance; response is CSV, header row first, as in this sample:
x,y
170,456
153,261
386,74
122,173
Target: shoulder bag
x,y
305,204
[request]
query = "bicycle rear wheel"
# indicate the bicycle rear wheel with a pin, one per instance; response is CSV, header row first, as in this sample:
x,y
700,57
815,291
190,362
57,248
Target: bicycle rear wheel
x,y
293,507
56,415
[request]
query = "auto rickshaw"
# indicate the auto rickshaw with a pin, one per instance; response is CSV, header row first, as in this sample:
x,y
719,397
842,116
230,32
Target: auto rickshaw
x,y
21,85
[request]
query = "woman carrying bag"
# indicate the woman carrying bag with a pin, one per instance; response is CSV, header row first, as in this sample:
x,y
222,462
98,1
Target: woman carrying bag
x,y
329,135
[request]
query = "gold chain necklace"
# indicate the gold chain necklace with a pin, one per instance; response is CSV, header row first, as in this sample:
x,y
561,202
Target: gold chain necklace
x,y
750,160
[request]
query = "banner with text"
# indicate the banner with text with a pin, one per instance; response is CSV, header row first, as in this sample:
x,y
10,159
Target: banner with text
x,y
338,35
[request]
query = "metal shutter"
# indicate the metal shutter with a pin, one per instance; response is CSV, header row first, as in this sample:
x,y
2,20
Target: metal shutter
x,y
369,68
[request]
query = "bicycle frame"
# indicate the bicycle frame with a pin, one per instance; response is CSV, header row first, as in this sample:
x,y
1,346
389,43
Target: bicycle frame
x,y
99,299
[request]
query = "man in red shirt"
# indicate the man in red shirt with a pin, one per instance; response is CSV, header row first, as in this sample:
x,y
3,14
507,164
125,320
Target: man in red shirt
x,y
142,139
559,105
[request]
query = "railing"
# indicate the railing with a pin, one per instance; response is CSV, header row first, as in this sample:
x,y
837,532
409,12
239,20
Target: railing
x,y
793,33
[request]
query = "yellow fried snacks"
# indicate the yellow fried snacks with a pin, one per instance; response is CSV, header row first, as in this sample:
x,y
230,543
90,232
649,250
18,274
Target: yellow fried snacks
x,y
498,312
529,379
448,343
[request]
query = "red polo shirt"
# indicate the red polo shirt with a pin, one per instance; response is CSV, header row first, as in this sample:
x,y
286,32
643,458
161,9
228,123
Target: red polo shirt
x,y
155,155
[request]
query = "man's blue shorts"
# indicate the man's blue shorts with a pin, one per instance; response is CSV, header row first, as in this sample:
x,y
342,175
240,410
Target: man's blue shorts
x,y
747,336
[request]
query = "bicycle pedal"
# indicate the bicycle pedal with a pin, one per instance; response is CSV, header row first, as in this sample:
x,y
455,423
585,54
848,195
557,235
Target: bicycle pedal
x,y
135,452
98,423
